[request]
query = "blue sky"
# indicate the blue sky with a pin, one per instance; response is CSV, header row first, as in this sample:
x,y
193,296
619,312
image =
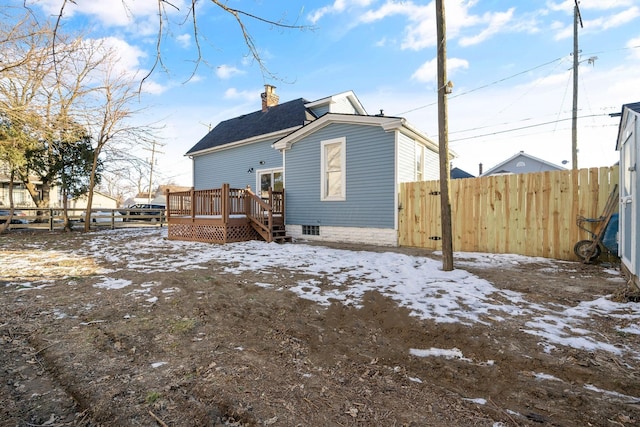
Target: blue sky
x,y
510,63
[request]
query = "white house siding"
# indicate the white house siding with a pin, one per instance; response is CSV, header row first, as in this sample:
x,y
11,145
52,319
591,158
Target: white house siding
x,y
370,186
236,166
431,165
407,161
629,220
99,201
366,236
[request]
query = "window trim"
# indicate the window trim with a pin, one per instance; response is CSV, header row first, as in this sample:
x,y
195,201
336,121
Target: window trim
x,y
343,168
272,172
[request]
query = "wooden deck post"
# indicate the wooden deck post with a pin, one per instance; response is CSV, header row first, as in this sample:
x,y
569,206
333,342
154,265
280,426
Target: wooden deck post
x,y
167,205
270,215
192,208
224,203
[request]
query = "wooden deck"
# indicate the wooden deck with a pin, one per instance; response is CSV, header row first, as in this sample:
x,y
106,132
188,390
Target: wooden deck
x,y
225,215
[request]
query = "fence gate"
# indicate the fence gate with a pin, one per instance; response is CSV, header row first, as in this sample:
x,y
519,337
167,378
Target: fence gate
x,y
530,214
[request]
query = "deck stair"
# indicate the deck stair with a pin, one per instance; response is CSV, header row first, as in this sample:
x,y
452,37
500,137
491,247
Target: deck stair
x,y
279,234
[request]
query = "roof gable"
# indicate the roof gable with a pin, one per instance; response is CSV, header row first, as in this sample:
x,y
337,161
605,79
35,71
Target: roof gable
x,y
388,123
345,102
283,116
502,168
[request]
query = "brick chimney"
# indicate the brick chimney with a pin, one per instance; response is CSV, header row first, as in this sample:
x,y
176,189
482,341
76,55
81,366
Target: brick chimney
x,y
269,97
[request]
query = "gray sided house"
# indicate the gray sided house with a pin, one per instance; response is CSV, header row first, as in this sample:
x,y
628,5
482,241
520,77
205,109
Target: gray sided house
x,y
628,144
339,167
522,163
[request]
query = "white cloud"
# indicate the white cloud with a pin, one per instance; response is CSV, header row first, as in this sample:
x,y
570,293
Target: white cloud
x,y
634,45
184,40
247,95
127,62
427,72
497,22
338,6
225,71
140,17
420,31
612,21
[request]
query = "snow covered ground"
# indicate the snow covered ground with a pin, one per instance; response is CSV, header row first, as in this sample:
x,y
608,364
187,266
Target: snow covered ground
x,y
417,283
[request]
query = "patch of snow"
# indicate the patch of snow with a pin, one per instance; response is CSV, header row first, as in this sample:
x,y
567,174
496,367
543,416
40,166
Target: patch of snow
x,y
453,353
478,400
112,283
543,376
339,276
612,393
631,329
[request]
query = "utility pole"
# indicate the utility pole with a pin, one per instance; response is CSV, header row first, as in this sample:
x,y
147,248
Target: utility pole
x,y
444,88
574,113
153,159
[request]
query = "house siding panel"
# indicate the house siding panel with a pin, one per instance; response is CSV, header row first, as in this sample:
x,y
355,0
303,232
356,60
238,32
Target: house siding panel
x,y
370,179
406,159
320,110
431,165
232,165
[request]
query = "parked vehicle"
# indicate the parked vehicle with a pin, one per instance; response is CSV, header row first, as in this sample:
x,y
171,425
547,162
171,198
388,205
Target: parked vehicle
x,y
102,216
144,212
18,217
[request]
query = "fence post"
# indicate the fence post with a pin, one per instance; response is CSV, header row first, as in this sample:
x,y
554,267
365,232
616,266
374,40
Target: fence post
x,y
50,219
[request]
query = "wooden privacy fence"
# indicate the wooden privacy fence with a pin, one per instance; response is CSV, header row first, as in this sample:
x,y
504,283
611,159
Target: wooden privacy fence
x,y
530,214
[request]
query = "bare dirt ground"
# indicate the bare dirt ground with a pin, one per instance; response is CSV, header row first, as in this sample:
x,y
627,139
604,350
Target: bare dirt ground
x,y
219,351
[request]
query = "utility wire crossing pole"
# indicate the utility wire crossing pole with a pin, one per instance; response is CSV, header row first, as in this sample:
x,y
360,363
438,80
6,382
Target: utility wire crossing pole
x,y
574,113
444,88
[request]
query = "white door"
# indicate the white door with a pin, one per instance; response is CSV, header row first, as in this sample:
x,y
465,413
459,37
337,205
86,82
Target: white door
x,y
627,229
269,178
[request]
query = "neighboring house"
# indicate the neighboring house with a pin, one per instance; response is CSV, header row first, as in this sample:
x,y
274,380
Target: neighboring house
x,y
340,168
100,200
457,173
21,196
522,163
628,144
157,197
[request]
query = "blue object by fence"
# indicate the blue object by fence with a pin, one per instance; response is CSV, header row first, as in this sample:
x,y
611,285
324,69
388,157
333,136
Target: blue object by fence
x,y
610,238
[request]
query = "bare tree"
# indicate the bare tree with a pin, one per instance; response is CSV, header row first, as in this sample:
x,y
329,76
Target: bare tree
x,y
109,112
190,15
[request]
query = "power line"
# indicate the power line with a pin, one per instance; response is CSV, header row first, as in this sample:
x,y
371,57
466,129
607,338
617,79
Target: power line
x,y
485,86
523,127
511,77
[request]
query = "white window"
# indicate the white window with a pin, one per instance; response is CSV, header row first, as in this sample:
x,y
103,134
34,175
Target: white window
x,y
333,163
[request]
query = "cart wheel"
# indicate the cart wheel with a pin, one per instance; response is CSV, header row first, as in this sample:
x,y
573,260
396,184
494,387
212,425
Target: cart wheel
x,y
585,252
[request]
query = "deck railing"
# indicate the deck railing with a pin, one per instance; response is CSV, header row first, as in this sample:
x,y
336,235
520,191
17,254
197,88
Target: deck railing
x,y
225,203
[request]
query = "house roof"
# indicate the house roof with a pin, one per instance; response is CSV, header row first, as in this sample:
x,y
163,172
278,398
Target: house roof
x,y
457,173
498,169
283,116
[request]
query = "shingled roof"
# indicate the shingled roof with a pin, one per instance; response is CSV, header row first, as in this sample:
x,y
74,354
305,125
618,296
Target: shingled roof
x,y
279,117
